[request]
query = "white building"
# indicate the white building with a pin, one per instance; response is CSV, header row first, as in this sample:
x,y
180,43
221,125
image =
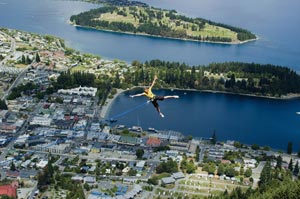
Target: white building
x,y
42,121
42,164
86,91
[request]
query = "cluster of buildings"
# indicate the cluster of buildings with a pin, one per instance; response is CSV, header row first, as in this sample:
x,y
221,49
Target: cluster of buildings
x,y
85,91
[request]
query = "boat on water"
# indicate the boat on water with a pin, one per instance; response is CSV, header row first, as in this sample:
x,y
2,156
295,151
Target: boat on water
x,y
111,120
298,113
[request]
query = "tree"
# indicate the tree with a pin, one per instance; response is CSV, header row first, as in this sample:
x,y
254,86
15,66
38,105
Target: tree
x,y
153,180
296,169
230,171
3,105
242,171
209,167
279,162
197,153
117,82
266,175
221,169
214,138
289,148
254,147
248,172
28,60
12,166
37,57
139,153
169,167
291,166
132,172
86,186
23,59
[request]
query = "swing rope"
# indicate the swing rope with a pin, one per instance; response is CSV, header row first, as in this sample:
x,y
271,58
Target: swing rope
x,y
128,111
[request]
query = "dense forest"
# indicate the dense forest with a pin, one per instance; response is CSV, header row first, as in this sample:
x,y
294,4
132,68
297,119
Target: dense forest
x,y
158,22
244,78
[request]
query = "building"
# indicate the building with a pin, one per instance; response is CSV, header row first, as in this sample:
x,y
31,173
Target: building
x,y
168,180
42,164
53,148
89,179
86,91
153,142
8,129
9,190
178,175
42,121
140,165
128,140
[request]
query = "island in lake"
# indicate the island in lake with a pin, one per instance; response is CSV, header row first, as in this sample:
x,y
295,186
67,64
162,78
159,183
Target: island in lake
x,y
160,22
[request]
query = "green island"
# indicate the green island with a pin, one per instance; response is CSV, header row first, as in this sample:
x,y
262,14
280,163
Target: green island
x,y
146,20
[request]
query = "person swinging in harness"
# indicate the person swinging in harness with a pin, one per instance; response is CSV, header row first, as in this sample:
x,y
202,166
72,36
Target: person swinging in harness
x,y
153,98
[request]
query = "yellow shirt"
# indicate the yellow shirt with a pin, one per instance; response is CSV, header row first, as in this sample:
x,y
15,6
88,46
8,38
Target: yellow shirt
x,y
149,94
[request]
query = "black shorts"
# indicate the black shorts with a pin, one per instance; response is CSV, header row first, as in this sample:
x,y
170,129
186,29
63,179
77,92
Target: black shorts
x,y
161,98
154,100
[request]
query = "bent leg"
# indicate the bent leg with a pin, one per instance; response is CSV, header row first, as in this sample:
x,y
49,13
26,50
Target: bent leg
x,y
155,104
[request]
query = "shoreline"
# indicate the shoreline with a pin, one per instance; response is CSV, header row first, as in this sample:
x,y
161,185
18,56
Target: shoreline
x,y
108,102
284,97
173,38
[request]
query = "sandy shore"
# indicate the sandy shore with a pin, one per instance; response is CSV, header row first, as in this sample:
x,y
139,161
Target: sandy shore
x,y
105,109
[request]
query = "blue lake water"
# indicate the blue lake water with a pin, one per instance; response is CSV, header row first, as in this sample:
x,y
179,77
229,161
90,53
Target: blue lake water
x,y
275,22
247,119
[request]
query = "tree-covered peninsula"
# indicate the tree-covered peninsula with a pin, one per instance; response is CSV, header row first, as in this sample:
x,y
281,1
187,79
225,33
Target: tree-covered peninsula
x,y
160,22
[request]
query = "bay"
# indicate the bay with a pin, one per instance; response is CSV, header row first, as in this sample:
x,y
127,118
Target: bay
x,y
267,122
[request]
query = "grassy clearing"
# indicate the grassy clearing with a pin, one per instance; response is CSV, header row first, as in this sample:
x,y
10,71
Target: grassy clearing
x,y
207,31
214,31
114,17
78,68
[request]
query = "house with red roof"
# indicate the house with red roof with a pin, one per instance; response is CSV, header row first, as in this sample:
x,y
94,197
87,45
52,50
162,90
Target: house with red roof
x,y
9,190
153,141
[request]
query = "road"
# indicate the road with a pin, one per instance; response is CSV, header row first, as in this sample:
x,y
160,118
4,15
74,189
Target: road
x,y
21,75
16,82
12,47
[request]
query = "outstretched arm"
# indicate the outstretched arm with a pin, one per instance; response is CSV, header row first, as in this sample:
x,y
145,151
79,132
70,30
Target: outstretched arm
x,y
153,82
137,95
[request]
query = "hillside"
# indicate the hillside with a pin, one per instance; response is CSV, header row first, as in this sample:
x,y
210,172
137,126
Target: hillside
x,y
159,22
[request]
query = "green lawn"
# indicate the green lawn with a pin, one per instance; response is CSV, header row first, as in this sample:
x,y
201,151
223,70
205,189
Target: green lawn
x,y
208,30
78,68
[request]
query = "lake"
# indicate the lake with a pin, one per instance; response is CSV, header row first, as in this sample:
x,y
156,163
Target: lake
x,y
275,22
247,119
